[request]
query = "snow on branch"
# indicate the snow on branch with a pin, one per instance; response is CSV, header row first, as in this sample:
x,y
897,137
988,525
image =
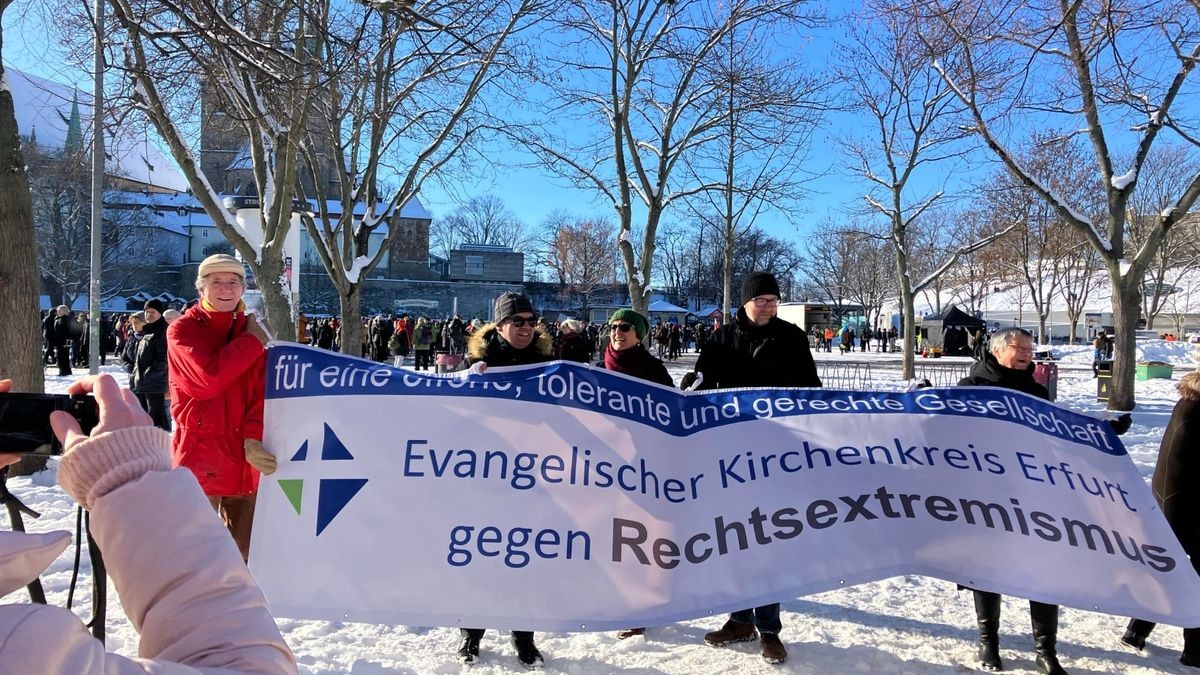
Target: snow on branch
x,y
958,253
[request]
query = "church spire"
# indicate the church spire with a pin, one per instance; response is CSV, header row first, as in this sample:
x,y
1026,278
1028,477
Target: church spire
x,y
74,128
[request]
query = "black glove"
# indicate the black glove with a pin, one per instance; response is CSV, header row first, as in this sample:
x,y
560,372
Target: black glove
x,y
686,381
1121,423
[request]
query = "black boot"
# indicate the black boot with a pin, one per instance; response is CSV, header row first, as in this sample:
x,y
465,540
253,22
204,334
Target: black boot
x,y
527,651
469,651
1136,633
1191,648
987,613
1045,638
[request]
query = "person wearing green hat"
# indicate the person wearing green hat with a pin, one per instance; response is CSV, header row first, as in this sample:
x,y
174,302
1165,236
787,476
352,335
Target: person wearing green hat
x,y
625,353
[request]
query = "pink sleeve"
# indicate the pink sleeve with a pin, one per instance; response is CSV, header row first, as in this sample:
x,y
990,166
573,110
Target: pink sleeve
x,y
181,579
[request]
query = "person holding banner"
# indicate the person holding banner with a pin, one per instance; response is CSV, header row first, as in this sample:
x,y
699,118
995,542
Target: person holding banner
x,y
216,355
625,354
756,349
510,340
190,597
1176,487
1009,364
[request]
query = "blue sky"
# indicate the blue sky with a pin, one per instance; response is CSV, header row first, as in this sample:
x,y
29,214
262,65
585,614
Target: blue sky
x,y
531,193
534,193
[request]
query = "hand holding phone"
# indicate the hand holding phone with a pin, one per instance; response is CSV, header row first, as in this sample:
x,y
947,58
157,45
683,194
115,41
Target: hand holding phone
x,y
25,426
118,409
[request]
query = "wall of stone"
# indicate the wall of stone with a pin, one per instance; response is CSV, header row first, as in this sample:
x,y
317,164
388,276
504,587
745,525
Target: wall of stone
x,y
393,296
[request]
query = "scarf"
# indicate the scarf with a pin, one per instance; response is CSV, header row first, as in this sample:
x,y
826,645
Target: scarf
x,y
630,361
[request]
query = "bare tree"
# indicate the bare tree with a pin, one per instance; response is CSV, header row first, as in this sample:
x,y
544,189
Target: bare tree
x,y
401,85
1082,275
1037,252
481,220
20,352
847,266
584,258
676,257
977,273
771,109
913,123
1165,174
1098,67
252,62
60,184
640,74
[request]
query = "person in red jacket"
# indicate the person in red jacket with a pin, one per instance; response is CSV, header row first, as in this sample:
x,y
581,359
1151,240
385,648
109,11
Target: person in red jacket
x,y
216,355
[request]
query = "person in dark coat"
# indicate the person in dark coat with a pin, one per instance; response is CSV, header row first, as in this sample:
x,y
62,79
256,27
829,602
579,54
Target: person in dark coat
x,y
626,354
149,376
572,343
61,333
510,340
756,349
137,321
1009,365
1176,487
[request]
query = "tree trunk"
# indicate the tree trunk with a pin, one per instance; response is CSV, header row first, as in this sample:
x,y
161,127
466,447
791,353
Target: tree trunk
x,y
727,284
1126,304
351,307
20,331
279,307
909,334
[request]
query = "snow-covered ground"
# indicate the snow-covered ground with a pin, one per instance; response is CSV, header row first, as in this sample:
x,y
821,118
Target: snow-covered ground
x,y
900,625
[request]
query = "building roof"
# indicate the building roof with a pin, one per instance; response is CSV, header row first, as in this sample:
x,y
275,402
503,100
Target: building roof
x,y
44,106
663,306
485,248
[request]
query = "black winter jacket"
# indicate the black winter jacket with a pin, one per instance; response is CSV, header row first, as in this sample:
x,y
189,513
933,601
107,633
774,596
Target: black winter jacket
x,y
989,373
149,374
62,331
1176,482
575,347
639,363
741,354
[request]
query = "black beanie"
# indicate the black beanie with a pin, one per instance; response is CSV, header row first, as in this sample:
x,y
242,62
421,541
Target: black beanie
x,y
509,304
155,304
759,283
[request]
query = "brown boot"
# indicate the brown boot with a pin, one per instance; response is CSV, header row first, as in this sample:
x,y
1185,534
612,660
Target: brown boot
x,y
630,632
732,631
773,650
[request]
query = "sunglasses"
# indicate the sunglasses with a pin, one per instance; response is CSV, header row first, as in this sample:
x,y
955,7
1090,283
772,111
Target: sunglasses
x,y
521,322
623,327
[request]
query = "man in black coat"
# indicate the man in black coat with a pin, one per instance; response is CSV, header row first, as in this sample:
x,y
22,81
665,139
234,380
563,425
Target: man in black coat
x,y
756,349
1176,486
511,340
1008,364
62,331
149,377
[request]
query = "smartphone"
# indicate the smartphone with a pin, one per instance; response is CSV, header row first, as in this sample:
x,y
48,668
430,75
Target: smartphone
x,y
25,420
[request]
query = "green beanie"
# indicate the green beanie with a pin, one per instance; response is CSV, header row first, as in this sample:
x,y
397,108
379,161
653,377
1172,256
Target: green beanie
x,y
639,323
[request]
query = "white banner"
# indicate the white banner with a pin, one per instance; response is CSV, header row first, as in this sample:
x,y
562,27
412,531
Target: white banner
x,y
568,498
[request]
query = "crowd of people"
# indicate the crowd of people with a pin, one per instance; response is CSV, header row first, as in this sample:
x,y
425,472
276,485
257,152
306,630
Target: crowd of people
x,y
189,593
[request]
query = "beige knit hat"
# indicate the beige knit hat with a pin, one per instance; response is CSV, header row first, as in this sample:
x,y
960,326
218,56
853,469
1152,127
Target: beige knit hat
x,y
221,262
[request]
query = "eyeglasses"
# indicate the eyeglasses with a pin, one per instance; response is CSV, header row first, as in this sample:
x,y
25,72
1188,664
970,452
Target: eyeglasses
x,y
1020,348
522,321
766,302
623,327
